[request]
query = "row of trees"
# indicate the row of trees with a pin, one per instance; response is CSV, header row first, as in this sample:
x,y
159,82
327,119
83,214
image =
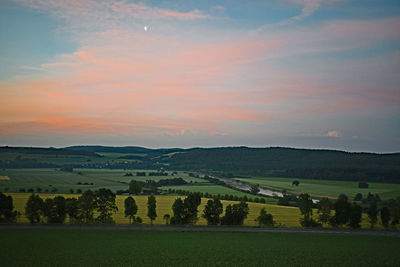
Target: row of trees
x,y
219,196
80,210
346,213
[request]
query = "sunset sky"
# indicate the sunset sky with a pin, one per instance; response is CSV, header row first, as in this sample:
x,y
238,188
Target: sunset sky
x,y
298,73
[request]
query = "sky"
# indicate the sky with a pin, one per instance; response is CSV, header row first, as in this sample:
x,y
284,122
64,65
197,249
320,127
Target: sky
x,y
184,73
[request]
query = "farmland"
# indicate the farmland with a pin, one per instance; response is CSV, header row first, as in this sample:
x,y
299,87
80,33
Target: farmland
x,y
283,216
41,247
328,188
48,178
286,216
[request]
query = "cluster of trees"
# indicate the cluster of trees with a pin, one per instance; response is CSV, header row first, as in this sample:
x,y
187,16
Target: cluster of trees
x,y
7,212
79,210
158,173
346,213
219,196
185,211
136,187
38,190
166,182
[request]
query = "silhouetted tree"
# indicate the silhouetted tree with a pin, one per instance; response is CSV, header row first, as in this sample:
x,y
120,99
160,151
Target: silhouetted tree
x,y
235,214
34,208
385,216
105,205
342,211
135,187
212,211
55,209
178,211
7,213
86,206
355,215
166,218
324,210
151,208
130,208
265,218
72,209
373,213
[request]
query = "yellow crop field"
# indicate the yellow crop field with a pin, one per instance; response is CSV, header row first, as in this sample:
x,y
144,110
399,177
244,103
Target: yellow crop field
x,y
283,216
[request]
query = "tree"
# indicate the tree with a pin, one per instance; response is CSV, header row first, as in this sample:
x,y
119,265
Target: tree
x,y
151,208
324,207
385,216
235,214
355,216
34,208
72,209
7,213
305,205
179,212
373,213
55,209
212,211
130,208
265,218
105,204
296,183
190,204
358,197
342,211
254,189
86,206
166,218
135,187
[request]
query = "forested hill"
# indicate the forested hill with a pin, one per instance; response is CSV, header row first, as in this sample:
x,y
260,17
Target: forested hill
x,y
124,149
226,161
290,162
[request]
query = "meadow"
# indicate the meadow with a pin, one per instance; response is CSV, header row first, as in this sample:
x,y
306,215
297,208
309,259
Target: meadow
x,y
56,247
114,179
283,216
325,188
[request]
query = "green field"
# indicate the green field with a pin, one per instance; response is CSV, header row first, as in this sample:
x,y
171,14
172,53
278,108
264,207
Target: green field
x,y
101,178
321,188
39,247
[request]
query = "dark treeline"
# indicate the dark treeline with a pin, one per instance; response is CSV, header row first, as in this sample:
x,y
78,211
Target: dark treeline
x,y
166,182
91,207
349,213
289,162
219,196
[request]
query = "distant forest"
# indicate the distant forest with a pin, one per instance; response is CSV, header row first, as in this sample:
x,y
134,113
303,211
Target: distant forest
x,y
225,161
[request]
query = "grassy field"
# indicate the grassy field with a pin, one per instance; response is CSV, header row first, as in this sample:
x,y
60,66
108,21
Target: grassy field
x,y
11,180
39,247
332,189
283,216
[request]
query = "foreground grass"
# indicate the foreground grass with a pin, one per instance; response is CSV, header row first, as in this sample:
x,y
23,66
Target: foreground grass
x,y
40,247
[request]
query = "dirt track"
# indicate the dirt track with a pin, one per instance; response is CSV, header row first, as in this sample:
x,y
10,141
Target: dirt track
x,y
203,229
